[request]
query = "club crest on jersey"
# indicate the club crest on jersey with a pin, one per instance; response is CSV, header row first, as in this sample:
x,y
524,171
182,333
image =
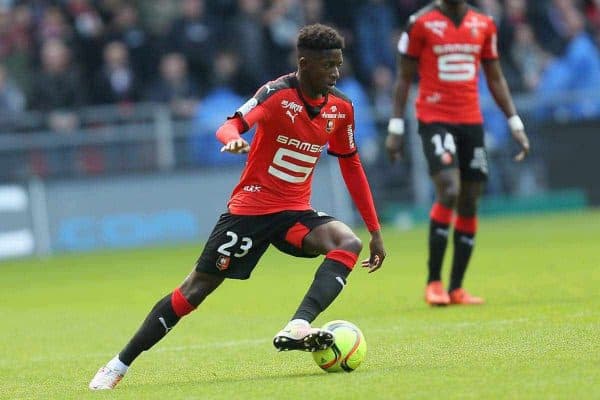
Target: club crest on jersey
x,y
329,126
223,262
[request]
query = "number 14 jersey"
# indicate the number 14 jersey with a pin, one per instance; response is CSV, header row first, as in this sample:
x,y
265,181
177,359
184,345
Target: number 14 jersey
x,y
449,57
291,134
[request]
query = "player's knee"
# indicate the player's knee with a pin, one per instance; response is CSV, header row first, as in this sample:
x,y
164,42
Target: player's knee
x,y
197,286
351,243
448,194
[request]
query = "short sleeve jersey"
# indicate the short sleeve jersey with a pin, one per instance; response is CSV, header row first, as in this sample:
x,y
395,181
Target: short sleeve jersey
x,y
290,137
449,59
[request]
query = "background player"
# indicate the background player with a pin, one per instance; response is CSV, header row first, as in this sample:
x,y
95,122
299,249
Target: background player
x,y
446,42
296,115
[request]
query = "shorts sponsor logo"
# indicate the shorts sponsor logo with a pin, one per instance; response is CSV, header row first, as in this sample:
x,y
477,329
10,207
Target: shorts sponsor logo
x,y
223,262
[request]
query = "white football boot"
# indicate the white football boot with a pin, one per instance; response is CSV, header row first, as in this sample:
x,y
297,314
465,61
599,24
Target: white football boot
x,y
109,376
299,335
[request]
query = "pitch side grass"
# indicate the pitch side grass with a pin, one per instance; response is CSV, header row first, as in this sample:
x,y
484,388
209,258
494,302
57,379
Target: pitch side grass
x,y
538,336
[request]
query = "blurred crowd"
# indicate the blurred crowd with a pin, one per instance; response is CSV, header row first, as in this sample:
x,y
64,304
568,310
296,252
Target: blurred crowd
x,y
57,56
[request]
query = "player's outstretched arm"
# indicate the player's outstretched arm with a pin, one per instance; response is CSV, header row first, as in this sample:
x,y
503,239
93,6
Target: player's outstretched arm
x,y
499,89
394,143
229,135
358,186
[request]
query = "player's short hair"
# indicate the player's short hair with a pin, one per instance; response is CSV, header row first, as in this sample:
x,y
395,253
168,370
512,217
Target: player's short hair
x,y
319,37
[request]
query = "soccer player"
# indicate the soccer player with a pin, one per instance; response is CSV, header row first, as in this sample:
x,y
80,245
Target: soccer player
x,y
297,116
446,42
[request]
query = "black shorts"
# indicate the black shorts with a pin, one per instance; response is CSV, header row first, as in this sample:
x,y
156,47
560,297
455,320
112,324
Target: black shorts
x,y
455,146
238,241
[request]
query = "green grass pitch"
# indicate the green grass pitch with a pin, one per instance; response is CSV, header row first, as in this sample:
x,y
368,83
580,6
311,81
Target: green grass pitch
x,y
538,336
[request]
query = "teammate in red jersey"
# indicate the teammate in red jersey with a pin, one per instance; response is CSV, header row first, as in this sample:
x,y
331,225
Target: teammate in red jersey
x,y
446,42
297,117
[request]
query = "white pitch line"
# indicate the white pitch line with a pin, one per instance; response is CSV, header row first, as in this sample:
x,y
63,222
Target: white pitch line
x,y
265,341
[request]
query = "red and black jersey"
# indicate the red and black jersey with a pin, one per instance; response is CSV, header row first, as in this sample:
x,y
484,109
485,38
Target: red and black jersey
x,y
449,55
291,134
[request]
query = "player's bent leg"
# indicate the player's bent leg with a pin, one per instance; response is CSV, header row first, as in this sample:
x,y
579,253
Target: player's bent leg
x,y
162,318
341,247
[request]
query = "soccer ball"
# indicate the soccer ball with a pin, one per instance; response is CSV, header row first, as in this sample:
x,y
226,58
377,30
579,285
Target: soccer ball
x,y
347,352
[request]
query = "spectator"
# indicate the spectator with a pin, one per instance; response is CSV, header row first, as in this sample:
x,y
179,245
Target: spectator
x,y
382,87
578,69
88,31
158,15
364,124
53,25
17,43
12,98
374,26
515,14
527,56
57,88
283,20
592,13
549,24
175,86
314,11
116,81
213,111
193,35
247,34
125,27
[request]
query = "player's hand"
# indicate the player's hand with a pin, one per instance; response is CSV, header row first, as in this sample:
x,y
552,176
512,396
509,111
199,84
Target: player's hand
x,y
237,146
521,138
394,145
375,261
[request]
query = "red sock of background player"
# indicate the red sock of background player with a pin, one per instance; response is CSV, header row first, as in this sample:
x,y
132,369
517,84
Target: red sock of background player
x,y
440,219
464,240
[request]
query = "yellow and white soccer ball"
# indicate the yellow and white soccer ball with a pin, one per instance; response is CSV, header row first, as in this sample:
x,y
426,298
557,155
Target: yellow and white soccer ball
x,y
348,351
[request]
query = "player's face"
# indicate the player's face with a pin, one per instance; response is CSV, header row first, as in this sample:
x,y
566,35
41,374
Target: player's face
x,y
322,70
